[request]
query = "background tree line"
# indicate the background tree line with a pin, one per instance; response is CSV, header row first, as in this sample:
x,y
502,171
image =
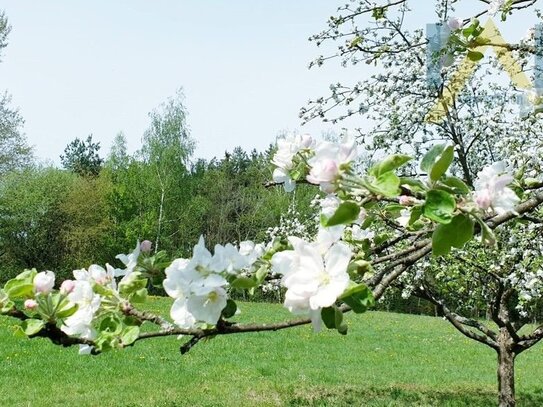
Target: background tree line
x,y
94,208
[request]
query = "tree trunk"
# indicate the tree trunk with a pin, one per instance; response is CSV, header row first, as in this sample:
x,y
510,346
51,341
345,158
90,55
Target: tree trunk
x,y
506,374
160,214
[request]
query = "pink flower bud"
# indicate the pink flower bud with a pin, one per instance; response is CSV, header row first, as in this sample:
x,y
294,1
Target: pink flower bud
x,y
455,23
31,305
102,280
44,282
483,199
146,246
67,287
406,200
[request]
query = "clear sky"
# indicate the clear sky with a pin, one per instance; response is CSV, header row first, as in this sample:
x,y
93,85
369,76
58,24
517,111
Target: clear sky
x,y
80,67
77,67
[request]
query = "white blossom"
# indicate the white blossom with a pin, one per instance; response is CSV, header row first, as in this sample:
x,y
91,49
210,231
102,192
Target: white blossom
x,y
129,260
313,281
455,23
405,216
284,158
44,282
80,323
491,191
198,286
327,162
494,6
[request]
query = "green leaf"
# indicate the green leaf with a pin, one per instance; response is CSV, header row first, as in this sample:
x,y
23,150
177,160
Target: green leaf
x,y
32,326
18,332
353,289
387,184
27,275
482,40
458,186
414,184
5,303
139,296
359,298
378,13
487,235
103,290
332,317
390,164
111,324
21,286
393,208
16,289
133,283
342,329
261,274
66,309
230,310
129,335
475,56
338,315
359,267
439,206
328,316
454,234
346,213
531,182
416,213
442,164
356,40
243,283
431,157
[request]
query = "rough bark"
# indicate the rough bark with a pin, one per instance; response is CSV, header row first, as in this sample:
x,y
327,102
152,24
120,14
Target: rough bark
x,y
506,370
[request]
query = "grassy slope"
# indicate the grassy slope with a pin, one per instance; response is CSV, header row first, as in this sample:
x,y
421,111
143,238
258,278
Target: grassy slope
x,y
386,360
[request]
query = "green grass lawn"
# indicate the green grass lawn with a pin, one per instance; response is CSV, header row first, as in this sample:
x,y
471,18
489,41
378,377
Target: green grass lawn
x,y
385,360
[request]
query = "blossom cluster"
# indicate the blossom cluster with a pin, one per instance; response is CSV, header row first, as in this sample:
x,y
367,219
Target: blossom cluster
x,y
327,161
78,303
199,284
494,6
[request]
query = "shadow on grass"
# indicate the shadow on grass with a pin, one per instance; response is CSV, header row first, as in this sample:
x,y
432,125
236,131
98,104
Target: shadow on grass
x,y
406,396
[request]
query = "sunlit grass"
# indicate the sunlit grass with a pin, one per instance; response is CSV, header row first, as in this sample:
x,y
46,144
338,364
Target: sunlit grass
x,y
385,360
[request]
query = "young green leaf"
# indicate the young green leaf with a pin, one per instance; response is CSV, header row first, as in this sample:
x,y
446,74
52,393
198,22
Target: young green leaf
x,y
457,185
442,164
431,157
32,326
328,316
129,335
346,213
475,56
439,206
230,310
390,164
454,234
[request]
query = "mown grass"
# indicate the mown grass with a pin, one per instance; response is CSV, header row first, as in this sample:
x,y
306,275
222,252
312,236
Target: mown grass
x,y
385,360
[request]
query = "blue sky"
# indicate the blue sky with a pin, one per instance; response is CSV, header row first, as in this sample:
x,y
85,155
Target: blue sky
x,y
78,67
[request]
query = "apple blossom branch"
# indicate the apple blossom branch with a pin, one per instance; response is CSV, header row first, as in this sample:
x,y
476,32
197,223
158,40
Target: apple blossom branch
x,y
51,331
399,263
